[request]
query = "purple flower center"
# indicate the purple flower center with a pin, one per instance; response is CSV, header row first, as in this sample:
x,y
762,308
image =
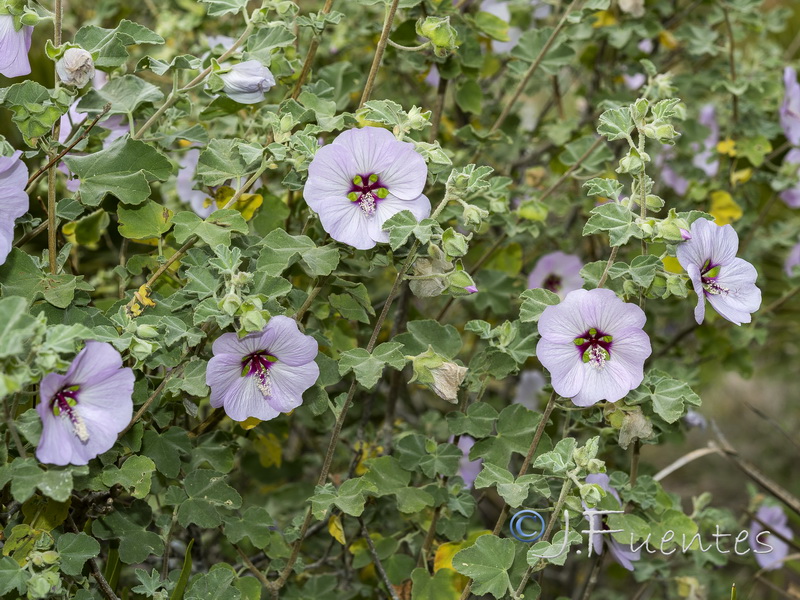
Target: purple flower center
x,y
367,191
64,404
708,277
552,283
594,347
258,364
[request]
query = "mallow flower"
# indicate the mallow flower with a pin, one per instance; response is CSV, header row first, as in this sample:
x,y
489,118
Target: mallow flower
x,y
774,521
729,283
14,47
13,199
621,553
262,374
593,345
468,469
360,180
792,260
791,196
790,109
85,409
184,184
558,272
247,82
76,67
706,158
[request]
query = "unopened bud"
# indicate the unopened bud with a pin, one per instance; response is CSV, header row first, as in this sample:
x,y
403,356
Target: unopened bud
x,y
440,375
75,67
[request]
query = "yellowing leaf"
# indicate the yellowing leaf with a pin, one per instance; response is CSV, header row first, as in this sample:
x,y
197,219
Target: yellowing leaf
x,y
269,450
727,146
249,423
247,204
365,450
724,208
671,264
443,559
336,530
741,176
667,40
604,18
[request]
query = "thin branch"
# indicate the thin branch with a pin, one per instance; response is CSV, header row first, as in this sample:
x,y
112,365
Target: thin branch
x,y
312,51
685,460
30,235
12,429
174,95
436,119
409,48
311,295
612,257
194,238
101,581
33,178
731,59
376,61
252,568
156,393
377,561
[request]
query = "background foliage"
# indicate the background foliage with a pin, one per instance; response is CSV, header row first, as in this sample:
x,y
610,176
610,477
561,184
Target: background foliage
x,y
189,504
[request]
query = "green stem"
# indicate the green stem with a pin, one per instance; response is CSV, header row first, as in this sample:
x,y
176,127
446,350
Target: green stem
x,y
376,61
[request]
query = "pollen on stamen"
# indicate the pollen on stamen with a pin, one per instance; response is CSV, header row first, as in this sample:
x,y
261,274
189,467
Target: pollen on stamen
x,y
264,383
597,357
367,204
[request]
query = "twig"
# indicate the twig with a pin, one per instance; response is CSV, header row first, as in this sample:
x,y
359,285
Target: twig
x,y
685,460
376,61
259,575
753,473
52,249
637,446
532,69
441,94
592,582
101,581
194,238
378,565
13,430
311,295
781,301
312,51
610,262
731,51
30,235
157,392
214,417
33,178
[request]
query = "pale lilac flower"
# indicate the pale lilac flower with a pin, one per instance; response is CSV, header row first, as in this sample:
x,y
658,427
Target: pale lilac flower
x,y
433,78
593,346
362,179
220,40
646,45
530,385
790,109
621,553
558,272
472,289
247,82
85,409
14,47
669,177
468,469
775,521
501,10
635,81
729,283
75,67
792,196
262,374
706,158
13,199
694,419
792,260
184,185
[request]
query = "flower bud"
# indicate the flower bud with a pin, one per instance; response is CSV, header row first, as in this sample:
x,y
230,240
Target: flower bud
x,y
30,18
685,234
147,332
441,34
454,243
591,494
471,289
473,215
247,82
141,349
230,304
253,320
441,376
75,67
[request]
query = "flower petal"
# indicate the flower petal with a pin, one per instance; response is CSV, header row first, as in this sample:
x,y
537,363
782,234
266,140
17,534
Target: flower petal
x,y
564,322
743,296
107,401
406,175
222,374
229,343
14,47
373,149
93,364
283,339
604,310
244,400
694,276
564,364
289,383
330,177
347,223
